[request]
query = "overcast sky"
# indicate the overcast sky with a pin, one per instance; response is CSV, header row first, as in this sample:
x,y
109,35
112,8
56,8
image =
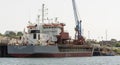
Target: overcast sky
x,y
98,16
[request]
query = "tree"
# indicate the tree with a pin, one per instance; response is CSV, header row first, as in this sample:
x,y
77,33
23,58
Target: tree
x,y
117,45
113,40
0,34
11,34
19,34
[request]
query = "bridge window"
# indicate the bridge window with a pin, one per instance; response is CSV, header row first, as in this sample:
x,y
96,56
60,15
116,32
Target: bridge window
x,y
38,37
34,36
35,31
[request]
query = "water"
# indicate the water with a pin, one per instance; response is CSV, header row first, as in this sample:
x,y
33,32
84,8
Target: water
x,y
102,60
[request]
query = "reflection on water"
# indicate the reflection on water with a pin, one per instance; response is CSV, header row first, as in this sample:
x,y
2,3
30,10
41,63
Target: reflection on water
x,y
101,60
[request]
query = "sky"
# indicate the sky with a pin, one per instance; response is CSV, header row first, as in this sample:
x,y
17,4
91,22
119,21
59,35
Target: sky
x,y
99,17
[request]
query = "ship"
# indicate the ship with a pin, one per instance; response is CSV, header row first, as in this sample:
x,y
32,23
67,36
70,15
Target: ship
x,y
48,40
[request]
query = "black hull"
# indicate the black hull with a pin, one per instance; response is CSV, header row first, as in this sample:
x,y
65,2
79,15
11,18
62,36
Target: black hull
x,y
63,55
52,55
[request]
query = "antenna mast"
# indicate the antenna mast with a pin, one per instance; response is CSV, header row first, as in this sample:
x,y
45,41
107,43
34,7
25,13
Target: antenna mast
x,y
38,19
43,6
106,32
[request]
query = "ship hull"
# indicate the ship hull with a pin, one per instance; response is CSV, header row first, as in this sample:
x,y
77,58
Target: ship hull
x,y
19,55
53,55
46,51
62,55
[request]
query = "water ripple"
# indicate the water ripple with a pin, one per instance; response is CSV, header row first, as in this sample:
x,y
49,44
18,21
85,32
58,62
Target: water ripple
x,y
101,60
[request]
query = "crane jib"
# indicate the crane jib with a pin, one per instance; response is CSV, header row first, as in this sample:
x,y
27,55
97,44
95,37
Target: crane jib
x,y
78,22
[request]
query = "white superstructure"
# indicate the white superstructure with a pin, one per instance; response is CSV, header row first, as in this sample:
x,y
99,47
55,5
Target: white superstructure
x,y
43,33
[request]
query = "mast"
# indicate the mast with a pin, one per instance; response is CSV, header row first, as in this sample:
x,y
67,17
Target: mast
x,y
38,19
106,34
43,6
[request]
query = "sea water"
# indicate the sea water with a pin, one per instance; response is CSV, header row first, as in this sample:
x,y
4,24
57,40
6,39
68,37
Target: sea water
x,y
96,60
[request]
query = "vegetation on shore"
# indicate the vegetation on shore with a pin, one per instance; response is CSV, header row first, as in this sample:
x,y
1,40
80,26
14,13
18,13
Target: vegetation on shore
x,y
12,34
